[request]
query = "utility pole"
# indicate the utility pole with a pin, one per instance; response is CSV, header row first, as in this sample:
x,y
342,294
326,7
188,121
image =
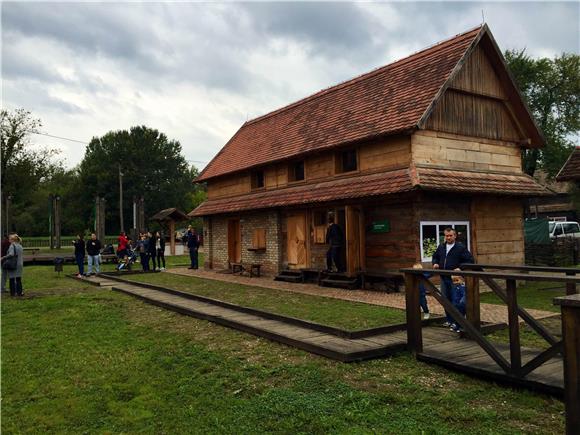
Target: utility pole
x,y
121,198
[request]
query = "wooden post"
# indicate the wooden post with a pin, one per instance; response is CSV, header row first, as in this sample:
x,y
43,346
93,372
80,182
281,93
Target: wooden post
x,y
570,306
570,286
514,326
414,333
171,237
472,302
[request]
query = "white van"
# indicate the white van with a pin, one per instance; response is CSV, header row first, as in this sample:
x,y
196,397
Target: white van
x,y
563,229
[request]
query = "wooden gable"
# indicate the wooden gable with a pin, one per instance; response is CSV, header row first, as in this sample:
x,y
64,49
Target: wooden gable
x,y
480,99
476,104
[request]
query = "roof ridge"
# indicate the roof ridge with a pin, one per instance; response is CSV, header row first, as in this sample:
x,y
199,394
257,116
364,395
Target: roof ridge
x,y
413,56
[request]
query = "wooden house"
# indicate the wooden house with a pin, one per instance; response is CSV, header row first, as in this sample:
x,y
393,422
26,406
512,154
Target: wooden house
x,y
396,155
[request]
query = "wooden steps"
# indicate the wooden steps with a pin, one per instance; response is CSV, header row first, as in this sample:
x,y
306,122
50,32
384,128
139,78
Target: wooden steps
x,y
289,276
339,280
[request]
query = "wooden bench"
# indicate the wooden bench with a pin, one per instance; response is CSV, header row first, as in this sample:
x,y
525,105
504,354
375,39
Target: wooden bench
x,y
255,269
392,280
237,268
32,251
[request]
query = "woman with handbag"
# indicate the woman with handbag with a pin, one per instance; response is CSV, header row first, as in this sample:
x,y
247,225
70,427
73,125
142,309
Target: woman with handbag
x,y
13,263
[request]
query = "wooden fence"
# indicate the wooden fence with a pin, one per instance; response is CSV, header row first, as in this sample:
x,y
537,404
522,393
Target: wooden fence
x,y
558,253
44,242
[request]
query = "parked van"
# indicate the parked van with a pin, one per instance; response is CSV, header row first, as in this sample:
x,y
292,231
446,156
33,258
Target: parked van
x,y
564,229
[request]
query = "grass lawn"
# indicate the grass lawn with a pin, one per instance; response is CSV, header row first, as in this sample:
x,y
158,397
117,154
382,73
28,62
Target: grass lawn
x,y
332,312
78,359
537,295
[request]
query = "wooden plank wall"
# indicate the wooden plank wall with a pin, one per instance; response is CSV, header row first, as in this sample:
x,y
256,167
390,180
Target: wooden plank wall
x,y
386,154
453,151
319,166
478,76
228,186
499,230
471,115
394,249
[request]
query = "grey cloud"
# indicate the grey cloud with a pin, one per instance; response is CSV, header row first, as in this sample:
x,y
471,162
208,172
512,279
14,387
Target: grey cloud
x,y
35,97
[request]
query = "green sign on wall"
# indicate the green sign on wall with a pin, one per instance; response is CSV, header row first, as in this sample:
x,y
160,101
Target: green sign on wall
x,y
383,226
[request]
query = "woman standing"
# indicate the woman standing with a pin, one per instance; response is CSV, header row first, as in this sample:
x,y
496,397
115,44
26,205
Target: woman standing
x,y
15,275
160,247
152,249
79,245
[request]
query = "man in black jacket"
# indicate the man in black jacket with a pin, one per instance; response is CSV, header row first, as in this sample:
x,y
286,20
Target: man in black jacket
x,y
193,246
449,256
93,252
334,238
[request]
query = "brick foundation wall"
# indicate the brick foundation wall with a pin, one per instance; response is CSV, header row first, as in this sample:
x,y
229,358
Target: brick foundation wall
x,y
216,232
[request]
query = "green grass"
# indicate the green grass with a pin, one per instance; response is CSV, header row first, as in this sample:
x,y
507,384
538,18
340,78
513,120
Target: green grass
x,y
332,312
77,359
536,295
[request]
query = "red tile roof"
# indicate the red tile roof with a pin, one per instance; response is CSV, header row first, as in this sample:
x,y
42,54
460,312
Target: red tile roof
x,y
479,182
571,169
344,188
384,183
389,100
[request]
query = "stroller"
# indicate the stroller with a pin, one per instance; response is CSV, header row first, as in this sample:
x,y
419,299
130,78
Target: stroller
x,y
129,261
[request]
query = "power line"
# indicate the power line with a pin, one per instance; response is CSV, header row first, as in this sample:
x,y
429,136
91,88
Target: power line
x,y
58,137
86,143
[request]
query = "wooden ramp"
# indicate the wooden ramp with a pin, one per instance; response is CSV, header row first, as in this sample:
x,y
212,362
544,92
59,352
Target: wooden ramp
x,y
467,356
334,343
440,346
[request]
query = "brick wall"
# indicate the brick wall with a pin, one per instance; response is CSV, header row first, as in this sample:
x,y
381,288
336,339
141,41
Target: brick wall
x,y
216,232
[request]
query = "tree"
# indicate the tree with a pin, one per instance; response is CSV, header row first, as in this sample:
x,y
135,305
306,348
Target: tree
x,y
551,89
23,167
152,167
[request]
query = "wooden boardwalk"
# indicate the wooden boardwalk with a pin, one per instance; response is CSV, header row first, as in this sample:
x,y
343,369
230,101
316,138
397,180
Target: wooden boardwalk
x,y
319,339
440,346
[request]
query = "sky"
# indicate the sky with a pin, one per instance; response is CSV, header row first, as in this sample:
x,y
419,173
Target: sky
x,y
197,71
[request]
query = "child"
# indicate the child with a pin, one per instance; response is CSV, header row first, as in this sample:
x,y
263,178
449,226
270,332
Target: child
x,y
458,298
422,297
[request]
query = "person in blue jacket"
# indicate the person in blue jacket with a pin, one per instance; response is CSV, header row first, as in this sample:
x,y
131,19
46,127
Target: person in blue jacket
x,y
193,246
449,256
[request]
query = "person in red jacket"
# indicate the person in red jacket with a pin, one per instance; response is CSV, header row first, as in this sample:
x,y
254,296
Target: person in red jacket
x,y
122,248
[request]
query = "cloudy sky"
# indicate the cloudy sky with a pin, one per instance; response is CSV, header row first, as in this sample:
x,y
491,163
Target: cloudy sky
x,y
198,71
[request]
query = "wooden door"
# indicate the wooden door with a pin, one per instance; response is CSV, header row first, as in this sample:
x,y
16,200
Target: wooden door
x,y
354,242
297,241
234,241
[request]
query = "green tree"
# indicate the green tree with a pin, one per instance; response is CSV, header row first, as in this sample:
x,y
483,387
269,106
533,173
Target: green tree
x,y
23,168
152,166
551,89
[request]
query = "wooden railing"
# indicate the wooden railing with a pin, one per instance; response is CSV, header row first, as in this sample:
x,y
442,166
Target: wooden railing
x,y
471,323
471,326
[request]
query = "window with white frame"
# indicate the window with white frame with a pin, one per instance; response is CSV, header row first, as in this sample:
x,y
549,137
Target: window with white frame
x,y
432,235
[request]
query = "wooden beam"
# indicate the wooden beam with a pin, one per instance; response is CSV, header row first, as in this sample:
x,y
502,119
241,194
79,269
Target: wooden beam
x,y
514,326
414,333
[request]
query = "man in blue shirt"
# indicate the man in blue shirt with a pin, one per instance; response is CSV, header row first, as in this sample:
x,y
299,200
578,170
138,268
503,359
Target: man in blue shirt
x,y
449,256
